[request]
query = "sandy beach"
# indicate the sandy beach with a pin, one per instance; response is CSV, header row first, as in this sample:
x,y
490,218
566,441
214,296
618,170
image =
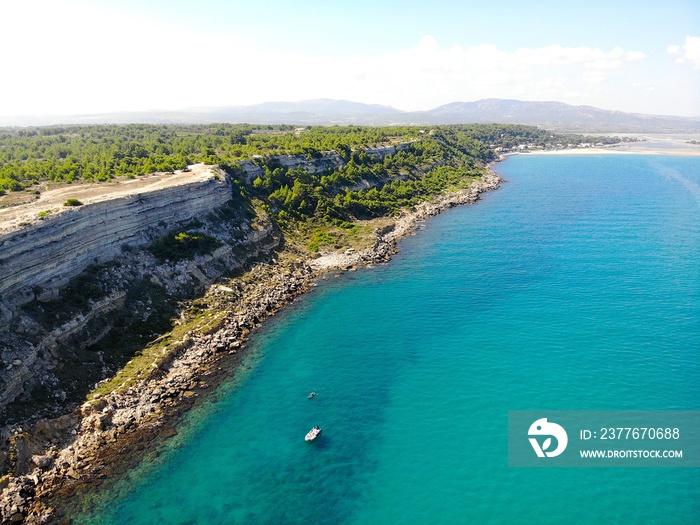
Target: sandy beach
x,y
648,145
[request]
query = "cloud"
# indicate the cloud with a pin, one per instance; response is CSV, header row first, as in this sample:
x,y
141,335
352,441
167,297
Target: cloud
x,y
592,58
593,77
488,56
82,57
427,74
688,52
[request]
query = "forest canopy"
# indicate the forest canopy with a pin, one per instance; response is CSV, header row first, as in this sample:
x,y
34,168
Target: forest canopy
x,y
29,156
375,171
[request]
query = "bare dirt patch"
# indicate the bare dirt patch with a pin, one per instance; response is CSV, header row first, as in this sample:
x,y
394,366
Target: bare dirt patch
x,y
18,209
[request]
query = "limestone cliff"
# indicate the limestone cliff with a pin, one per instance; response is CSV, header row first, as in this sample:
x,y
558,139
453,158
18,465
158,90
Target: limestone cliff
x,y
67,279
48,253
85,291
331,160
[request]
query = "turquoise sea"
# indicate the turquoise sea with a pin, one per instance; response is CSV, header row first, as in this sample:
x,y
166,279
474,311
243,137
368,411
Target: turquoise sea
x,y
576,286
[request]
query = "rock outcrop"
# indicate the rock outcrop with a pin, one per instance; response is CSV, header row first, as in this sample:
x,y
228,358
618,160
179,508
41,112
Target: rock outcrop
x,y
45,255
315,165
51,310
39,257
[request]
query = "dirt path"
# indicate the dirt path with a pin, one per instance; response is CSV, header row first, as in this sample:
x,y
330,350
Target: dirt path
x,y
15,217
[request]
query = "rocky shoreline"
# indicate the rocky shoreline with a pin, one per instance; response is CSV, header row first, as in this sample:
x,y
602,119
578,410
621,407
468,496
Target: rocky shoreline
x,y
69,456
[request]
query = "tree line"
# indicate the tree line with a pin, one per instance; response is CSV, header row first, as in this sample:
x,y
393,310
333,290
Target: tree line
x,y
101,153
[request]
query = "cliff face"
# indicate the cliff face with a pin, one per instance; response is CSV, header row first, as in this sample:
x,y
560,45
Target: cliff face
x,y
48,253
59,335
315,165
51,460
68,280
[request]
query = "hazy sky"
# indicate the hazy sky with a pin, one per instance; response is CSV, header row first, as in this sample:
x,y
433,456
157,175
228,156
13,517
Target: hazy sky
x,y
87,56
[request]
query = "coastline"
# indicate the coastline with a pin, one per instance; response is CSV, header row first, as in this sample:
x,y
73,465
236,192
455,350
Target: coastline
x,y
612,151
104,437
650,145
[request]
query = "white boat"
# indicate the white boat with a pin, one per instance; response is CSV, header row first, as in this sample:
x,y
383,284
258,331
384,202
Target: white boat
x,y
313,433
311,395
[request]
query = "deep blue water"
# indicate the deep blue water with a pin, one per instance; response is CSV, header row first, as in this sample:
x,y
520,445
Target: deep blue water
x,y
574,286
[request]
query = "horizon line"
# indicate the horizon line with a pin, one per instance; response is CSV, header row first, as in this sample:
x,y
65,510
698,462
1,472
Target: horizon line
x,y
194,109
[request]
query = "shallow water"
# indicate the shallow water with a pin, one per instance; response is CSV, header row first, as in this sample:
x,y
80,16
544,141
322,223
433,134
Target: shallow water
x,y
574,286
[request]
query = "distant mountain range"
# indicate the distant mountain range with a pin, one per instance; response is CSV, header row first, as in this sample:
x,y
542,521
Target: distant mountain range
x,y
555,116
562,117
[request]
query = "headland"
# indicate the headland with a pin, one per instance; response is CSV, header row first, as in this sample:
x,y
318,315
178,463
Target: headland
x,y
62,450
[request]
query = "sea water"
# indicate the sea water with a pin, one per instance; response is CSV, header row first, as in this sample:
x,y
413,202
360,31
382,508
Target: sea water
x,y
574,286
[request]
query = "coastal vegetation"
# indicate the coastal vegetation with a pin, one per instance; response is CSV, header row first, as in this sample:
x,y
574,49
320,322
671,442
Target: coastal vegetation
x,y
337,206
29,156
183,245
295,192
380,170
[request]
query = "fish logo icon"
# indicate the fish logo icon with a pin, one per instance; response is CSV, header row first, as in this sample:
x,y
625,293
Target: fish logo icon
x,y
542,427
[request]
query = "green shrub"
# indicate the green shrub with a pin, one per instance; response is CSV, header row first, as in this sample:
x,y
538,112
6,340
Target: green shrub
x,y
183,245
73,202
320,238
9,184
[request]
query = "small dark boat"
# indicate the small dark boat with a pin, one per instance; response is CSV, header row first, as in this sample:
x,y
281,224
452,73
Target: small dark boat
x,y
313,433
